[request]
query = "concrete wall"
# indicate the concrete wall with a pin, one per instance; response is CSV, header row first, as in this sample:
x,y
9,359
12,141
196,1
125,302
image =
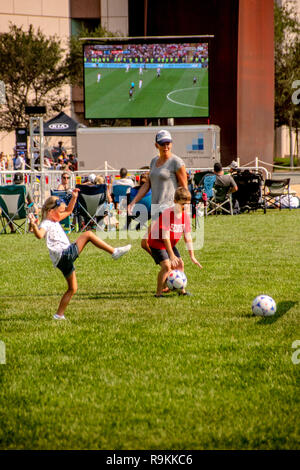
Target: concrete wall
x,y
114,16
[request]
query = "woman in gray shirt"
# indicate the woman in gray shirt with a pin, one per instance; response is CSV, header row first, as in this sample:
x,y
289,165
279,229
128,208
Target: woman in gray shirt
x,y
167,173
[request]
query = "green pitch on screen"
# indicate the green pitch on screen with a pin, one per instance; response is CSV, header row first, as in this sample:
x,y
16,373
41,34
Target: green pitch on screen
x,y
173,94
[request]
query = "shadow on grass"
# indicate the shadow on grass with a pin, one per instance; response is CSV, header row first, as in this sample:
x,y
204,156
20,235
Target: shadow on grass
x,y
282,308
97,295
122,295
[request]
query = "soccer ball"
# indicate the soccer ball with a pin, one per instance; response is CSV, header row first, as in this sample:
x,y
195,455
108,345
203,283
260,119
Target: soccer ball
x,y
263,306
176,280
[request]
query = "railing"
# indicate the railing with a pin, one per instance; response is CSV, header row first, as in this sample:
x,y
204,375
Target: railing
x,y
40,183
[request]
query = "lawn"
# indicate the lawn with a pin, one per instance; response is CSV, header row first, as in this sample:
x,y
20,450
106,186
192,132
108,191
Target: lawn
x,y
129,371
171,95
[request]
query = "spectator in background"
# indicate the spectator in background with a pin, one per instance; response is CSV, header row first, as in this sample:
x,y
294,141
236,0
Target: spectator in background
x,y
18,161
100,180
58,150
65,182
73,162
226,181
90,179
9,163
123,178
19,179
2,161
60,163
47,162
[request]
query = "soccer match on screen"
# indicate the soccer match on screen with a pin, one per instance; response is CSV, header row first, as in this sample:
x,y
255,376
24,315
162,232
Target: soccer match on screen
x,y
146,80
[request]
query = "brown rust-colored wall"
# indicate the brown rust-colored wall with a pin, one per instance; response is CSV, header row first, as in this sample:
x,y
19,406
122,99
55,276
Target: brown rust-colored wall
x,y
241,65
255,86
85,8
198,17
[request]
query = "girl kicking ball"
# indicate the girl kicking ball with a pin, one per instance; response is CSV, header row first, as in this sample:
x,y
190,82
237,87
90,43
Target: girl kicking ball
x,y
62,252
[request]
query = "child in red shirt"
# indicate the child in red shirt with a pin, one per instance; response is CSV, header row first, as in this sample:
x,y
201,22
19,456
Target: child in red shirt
x,y
165,233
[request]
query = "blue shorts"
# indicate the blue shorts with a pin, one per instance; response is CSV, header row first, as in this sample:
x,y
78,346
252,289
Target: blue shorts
x,y
160,255
67,259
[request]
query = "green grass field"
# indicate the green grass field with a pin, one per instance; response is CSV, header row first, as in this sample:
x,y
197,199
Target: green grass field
x,y
128,371
171,95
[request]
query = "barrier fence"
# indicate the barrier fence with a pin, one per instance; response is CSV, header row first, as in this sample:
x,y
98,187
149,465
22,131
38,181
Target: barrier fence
x,y
40,183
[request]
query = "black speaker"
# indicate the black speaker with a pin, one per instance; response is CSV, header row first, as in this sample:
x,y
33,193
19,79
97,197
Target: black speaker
x,y
35,110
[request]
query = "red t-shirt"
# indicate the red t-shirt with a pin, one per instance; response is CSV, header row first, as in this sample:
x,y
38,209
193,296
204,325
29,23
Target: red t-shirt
x,y
168,221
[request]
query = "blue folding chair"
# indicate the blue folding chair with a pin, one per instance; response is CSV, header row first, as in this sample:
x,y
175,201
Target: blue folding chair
x,y
119,191
143,216
66,197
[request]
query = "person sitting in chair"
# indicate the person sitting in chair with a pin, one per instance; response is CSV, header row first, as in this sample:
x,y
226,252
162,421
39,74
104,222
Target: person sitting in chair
x,y
65,182
19,179
226,181
123,179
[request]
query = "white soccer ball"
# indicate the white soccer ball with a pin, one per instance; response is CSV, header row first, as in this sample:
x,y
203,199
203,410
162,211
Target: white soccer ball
x,y
263,306
176,280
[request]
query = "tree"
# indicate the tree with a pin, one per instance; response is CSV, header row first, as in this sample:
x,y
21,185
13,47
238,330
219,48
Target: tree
x,y
34,71
287,68
75,57
75,66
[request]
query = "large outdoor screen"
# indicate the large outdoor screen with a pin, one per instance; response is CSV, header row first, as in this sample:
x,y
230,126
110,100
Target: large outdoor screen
x,y
153,78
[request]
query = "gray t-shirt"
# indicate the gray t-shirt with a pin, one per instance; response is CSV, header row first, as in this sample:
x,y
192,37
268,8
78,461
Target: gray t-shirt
x,y
225,181
163,180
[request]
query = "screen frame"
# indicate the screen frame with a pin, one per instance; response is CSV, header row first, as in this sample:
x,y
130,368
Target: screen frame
x,y
148,40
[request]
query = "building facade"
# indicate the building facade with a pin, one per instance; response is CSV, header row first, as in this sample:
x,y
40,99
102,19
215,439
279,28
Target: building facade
x,y
242,60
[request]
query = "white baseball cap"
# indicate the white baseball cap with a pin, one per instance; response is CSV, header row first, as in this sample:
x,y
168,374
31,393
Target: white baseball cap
x,y
92,177
163,136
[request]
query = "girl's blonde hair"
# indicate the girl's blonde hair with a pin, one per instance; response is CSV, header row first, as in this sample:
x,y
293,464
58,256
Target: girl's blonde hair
x,y
49,204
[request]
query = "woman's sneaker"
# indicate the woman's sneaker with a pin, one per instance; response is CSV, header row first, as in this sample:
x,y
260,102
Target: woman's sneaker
x,y
122,250
59,317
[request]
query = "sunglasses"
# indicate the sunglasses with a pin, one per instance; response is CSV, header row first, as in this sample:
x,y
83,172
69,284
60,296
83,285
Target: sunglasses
x,y
66,177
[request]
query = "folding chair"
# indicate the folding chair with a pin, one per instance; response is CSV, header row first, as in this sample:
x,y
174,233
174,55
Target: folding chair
x,y
66,197
221,202
146,202
13,207
203,193
119,191
91,206
273,191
